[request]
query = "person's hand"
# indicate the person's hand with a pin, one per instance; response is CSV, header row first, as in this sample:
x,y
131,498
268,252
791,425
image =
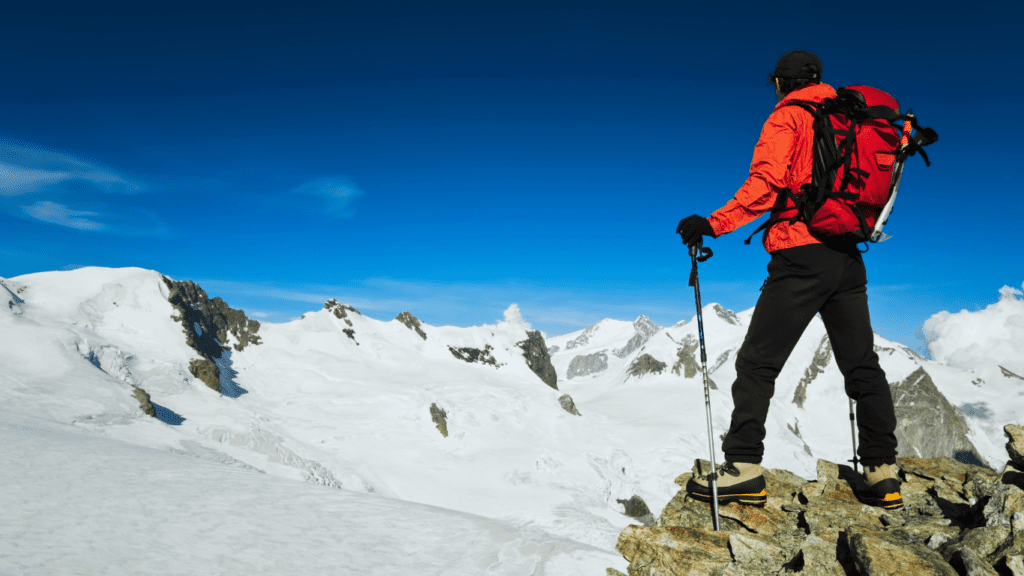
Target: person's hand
x,y
693,229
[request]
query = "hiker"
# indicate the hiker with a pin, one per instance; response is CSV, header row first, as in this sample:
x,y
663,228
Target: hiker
x,y
809,273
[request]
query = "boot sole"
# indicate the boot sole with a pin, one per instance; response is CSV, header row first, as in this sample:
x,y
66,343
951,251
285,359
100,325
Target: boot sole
x,y
890,498
749,495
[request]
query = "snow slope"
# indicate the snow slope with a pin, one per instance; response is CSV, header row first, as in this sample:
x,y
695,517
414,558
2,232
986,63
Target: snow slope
x,y
327,445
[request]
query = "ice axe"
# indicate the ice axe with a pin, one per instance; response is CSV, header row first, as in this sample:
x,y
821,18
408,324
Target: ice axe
x,y
700,254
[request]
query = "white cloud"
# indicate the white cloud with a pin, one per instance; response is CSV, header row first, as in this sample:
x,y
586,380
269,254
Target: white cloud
x,y
61,215
26,169
514,316
981,339
337,191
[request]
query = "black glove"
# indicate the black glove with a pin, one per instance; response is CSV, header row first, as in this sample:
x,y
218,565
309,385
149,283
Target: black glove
x,y
693,229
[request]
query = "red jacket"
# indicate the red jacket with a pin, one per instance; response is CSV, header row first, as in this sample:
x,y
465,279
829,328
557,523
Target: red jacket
x,y
782,159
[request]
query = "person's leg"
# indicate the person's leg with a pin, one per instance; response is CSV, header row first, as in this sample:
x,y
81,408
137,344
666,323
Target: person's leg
x,y
800,281
848,323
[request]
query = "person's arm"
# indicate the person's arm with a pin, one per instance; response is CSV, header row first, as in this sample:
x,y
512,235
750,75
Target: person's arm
x,y
773,156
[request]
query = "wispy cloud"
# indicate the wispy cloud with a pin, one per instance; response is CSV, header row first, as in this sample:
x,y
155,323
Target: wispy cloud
x,y
48,186
336,192
61,215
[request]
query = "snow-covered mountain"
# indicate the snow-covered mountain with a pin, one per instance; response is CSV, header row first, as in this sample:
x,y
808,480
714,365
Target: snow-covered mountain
x,y
114,374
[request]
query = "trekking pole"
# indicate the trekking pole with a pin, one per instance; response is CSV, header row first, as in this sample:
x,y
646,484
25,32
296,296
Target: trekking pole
x,y
705,253
853,433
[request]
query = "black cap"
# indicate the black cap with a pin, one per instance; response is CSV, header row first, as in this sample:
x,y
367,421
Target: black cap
x,y
798,64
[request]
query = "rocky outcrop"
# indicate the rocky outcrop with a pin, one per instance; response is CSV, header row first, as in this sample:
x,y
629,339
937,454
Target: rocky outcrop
x,y
553,350
1009,374
957,519
728,316
340,310
440,418
535,352
207,372
583,339
645,328
1015,445
929,426
646,364
145,402
207,322
822,358
475,355
686,360
412,323
636,508
587,365
568,405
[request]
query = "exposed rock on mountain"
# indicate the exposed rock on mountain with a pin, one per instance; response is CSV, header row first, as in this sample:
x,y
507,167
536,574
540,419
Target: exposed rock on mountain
x,y
635,507
553,350
645,364
145,402
927,422
568,405
587,365
340,310
412,323
645,328
1015,445
440,418
207,322
476,355
537,358
207,372
582,339
728,315
686,361
822,358
957,519
1009,374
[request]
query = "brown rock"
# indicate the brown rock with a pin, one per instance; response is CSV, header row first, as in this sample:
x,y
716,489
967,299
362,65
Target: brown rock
x,y
674,551
145,402
1013,474
1015,445
613,572
819,558
971,563
985,541
1015,565
207,372
883,554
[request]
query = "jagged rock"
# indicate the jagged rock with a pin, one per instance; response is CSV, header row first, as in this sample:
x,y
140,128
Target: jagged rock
x,y
1015,445
351,334
645,328
553,350
822,358
645,364
1014,565
145,402
440,418
412,323
686,360
1009,374
676,551
614,572
728,315
568,405
476,355
1013,474
587,365
969,562
884,554
819,526
635,507
206,371
537,358
582,339
207,322
927,423
340,310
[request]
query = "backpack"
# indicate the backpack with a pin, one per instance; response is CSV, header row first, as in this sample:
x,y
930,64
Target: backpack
x,y
859,150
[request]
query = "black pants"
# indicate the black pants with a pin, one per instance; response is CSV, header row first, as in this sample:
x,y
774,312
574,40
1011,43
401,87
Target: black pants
x,y
802,282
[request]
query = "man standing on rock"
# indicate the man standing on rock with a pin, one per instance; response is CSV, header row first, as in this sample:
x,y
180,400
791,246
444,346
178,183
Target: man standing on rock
x,y
808,274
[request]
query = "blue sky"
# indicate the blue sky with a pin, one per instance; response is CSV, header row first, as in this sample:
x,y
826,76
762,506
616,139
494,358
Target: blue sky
x,y
453,158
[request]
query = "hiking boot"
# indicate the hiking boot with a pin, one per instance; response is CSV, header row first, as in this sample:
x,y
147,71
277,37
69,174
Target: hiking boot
x,y
737,482
881,487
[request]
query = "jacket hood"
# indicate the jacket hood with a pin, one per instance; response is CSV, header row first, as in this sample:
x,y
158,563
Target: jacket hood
x,y
811,93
